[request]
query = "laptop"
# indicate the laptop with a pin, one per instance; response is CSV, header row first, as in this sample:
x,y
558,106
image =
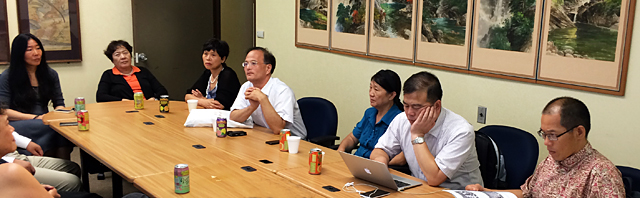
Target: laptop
x,y
376,172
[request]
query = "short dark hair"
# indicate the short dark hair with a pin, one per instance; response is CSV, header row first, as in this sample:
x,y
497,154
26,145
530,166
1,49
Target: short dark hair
x,y
573,113
113,46
268,57
390,82
424,81
219,46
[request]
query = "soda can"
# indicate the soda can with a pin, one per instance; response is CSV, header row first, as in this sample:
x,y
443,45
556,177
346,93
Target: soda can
x,y
221,127
138,100
79,104
83,120
315,161
181,178
164,104
284,145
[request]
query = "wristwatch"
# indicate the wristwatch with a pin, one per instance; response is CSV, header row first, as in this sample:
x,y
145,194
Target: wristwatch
x,y
418,140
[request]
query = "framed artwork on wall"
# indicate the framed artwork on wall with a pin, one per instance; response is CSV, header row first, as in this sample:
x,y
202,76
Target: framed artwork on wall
x,y
312,23
505,37
443,32
392,29
349,25
4,34
586,43
56,23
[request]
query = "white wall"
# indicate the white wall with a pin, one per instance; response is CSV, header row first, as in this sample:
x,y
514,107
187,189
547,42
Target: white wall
x,y
100,22
344,80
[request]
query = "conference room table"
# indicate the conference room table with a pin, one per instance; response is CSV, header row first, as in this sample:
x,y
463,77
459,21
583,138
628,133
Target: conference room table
x,y
145,154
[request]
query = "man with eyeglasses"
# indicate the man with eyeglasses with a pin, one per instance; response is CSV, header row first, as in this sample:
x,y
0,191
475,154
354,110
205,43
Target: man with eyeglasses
x,y
573,168
268,101
438,144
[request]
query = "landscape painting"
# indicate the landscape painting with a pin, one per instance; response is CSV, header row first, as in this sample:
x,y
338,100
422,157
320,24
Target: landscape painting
x,y
506,24
49,21
585,29
444,21
350,16
392,18
313,14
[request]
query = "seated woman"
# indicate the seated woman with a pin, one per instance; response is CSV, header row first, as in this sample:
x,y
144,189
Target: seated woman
x,y
27,87
124,79
384,91
219,82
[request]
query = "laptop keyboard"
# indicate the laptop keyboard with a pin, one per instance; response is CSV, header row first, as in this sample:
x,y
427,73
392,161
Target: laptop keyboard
x,y
400,184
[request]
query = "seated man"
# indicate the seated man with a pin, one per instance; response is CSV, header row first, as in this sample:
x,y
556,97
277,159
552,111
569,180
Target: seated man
x,y
439,145
59,173
573,168
268,101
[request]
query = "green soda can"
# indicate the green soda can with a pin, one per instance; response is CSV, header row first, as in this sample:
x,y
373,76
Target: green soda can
x,y
79,104
181,178
138,100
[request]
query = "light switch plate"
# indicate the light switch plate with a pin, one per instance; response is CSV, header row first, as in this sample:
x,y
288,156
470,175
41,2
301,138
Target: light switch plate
x,y
482,115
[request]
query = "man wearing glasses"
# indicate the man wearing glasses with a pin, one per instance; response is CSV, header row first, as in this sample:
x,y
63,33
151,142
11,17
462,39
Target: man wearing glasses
x,y
438,144
268,101
573,168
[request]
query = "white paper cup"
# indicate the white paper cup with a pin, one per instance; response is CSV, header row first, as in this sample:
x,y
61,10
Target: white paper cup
x,y
294,143
192,104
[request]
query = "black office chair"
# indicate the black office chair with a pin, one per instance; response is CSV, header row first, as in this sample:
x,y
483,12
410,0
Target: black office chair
x,y
491,162
520,151
320,119
631,179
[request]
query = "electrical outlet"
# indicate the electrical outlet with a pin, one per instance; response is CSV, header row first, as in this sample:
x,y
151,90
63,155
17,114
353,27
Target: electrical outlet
x,y
482,115
260,34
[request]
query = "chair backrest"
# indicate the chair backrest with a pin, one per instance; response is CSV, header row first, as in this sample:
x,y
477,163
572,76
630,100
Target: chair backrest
x,y
319,115
491,162
632,177
520,151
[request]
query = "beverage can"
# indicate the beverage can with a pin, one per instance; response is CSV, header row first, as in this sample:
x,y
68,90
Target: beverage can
x,y
221,127
164,104
315,161
284,145
83,120
181,178
138,100
79,104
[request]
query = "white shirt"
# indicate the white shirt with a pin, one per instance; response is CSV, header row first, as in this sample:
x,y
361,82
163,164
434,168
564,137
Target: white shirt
x,y
283,101
21,142
451,141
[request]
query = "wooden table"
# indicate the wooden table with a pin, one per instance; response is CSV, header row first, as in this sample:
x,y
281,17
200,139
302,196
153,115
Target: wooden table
x,y
224,180
146,154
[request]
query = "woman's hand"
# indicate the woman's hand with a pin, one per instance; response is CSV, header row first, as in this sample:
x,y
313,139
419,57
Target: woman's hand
x,y
124,99
51,190
210,104
196,93
152,99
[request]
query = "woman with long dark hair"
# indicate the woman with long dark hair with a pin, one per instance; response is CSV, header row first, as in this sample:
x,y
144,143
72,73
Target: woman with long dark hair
x,y
28,86
384,97
218,85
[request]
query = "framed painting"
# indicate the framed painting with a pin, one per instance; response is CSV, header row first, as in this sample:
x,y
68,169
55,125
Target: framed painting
x,y
349,25
392,29
56,23
312,23
443,32
505,37
586,43
4,34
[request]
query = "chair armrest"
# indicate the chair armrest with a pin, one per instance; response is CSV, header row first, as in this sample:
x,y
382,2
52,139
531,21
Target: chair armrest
x,y
326,141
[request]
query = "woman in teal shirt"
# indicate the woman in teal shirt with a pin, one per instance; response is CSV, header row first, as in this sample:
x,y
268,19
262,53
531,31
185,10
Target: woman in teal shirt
x,y
384,97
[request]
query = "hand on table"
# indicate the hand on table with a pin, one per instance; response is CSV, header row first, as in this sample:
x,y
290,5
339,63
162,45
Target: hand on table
x,y
210,104
474,187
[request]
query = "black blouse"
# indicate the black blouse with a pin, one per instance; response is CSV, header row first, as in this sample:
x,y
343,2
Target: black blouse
x,y
228,86
114,87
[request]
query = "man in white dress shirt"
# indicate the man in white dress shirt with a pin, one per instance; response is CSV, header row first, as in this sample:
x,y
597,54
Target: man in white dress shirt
x,y
439,145
268,101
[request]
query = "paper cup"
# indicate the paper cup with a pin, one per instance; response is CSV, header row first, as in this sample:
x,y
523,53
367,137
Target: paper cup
x,y
192,104
294,143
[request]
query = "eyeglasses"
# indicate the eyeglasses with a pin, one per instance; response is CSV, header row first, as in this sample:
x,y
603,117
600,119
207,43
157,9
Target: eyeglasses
x,y
553,137
252,63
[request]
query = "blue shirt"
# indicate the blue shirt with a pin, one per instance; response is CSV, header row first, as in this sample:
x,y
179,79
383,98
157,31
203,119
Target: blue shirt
x,y
368,131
